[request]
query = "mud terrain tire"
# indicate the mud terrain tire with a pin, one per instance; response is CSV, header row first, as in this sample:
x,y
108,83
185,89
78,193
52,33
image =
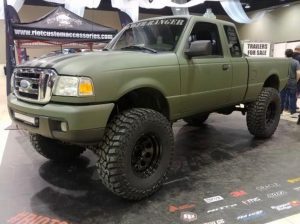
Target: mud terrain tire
x,y
136,153
263,115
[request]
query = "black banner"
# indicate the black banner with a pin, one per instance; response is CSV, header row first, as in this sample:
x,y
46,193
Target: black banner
x,y
11,16
124,19
63,25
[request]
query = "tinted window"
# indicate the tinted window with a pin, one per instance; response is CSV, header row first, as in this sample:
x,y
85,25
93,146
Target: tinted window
x,y
207,31
233,41
159,34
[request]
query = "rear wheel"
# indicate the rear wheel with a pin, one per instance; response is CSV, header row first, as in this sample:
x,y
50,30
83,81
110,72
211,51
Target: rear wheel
x,y
197,120
55,150
263,115
136,153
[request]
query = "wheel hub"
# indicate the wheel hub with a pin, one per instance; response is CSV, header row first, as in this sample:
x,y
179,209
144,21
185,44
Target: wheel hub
x,y
146,155
271,113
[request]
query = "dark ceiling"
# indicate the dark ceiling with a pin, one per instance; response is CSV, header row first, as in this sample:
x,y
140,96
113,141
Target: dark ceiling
x,y
215,6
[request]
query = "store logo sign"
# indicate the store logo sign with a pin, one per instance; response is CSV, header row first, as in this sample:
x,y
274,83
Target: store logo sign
x,y
267,187
286,206
295,203
237,194
173,208
26,217
251,201
188,216
295,180
277,194
63,19
221,208
297,188
282,207
251,216
213,199
220,221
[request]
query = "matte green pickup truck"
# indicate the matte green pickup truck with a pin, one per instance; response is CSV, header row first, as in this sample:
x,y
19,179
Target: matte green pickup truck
x,y
121,102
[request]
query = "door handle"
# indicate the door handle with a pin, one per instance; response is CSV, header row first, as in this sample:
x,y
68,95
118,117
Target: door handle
x,y
225,67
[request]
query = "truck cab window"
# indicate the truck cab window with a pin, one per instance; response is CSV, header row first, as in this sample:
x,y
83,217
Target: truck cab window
x,y
233,41
160,35
207,31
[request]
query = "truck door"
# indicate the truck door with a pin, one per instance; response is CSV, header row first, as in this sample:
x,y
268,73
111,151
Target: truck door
x,y
239,66
206,80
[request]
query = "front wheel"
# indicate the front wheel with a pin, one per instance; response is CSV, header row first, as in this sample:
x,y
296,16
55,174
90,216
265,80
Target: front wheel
x,y
263,115
136,153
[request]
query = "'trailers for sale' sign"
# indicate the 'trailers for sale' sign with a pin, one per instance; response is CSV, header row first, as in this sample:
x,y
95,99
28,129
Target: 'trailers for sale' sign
x,y
257,49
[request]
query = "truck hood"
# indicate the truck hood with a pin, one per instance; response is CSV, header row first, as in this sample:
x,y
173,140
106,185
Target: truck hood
x,y
92,63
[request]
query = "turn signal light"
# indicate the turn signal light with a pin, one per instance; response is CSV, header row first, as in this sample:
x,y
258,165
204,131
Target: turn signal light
x,y
86,87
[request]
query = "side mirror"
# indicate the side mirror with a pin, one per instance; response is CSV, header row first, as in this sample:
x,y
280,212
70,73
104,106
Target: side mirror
x,y
199,48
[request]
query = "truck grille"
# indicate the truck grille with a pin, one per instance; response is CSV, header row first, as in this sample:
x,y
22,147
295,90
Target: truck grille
x,y
33,85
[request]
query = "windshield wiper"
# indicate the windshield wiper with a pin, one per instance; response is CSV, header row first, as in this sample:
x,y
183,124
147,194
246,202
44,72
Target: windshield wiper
x,y
137,47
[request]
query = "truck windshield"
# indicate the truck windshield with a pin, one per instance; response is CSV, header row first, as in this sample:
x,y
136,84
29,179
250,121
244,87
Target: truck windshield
x,y
156,35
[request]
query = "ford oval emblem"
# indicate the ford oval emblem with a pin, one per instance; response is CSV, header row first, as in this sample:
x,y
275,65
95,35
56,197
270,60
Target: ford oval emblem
x,y
24,84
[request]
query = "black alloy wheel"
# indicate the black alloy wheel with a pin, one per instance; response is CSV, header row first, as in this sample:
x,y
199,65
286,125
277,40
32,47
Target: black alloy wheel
x,y
146,155
271,113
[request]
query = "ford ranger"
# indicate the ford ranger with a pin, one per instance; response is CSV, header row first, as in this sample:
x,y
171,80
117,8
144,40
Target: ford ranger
x,y
121,102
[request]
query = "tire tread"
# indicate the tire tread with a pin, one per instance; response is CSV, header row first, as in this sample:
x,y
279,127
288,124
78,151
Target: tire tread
x,y
256,114
110,159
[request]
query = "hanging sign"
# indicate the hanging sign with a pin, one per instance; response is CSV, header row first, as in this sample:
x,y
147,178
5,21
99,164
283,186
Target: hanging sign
x,y
257,49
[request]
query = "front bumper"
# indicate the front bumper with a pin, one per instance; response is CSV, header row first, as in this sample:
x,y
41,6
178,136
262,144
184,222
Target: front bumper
x,y
85,123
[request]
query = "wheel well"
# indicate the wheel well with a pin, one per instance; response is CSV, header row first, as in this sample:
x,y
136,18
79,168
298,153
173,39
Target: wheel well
x,y
272,81
142,98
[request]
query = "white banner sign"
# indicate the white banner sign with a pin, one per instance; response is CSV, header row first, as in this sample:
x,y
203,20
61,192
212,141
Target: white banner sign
x,y
257,49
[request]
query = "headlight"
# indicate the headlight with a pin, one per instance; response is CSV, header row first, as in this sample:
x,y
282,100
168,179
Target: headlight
x,y
73,86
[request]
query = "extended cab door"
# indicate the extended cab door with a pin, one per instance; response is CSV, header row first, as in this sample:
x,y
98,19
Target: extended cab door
x,y
205,80
239,66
